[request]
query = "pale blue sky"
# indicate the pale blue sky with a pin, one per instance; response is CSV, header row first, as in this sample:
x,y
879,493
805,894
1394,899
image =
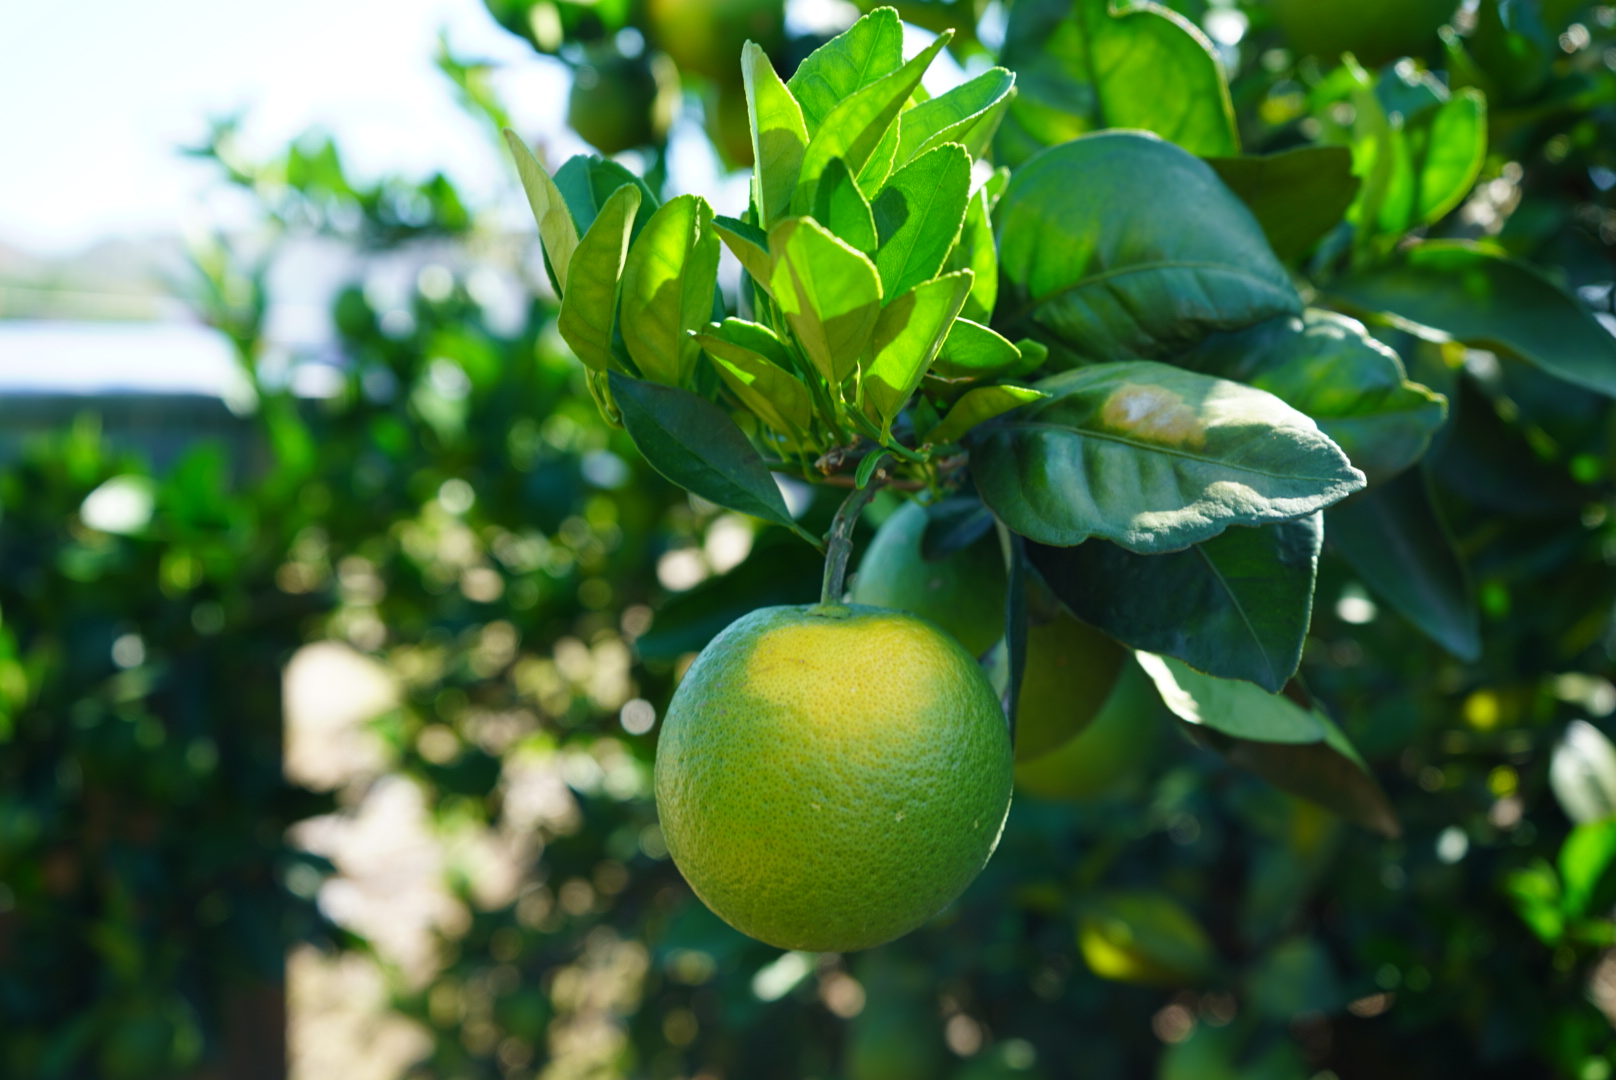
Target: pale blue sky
x,y
98,93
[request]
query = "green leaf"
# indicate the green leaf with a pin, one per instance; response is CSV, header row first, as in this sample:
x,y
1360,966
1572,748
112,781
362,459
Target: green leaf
x,y
755,337
750,246
1081,65
556,229
908,334
589,301
979,406
1329,773
779,134
1153,458
973,351
860,55
1142,937
1328,367
696,445
1296,195
966,114
829,292
587,183
918,216
976,251
840,206
668,285
1455,290
1395,540
859,124
1584,858
778,397
1120,245
1297,750
1449,147
1236,606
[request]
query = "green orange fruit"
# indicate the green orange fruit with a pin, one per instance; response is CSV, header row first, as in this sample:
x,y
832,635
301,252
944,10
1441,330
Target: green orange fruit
x,y
963,593
1374,31
706,36
831,777
1111,753
618,102
1071,668
728,124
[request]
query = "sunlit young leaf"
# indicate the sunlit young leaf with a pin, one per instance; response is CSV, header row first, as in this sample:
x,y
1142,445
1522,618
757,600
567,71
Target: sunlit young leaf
x,y
830,294
869,49
556,230
589,302
918,215
667,292
907,336
779,135
979,406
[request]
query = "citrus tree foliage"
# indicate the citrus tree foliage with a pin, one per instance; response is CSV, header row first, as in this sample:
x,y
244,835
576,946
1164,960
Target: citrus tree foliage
x,y
1283,369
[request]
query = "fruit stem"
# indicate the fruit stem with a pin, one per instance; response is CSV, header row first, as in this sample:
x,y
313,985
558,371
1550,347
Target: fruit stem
x,y
839,541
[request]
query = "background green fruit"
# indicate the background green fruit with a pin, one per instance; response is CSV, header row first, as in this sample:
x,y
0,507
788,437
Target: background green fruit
x,y
1110,755
705,36
618,102
1071,668
1374,31
964,593
728,124
830,777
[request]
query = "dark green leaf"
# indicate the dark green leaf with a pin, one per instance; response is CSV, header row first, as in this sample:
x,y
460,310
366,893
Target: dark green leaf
x,y
1451,289
1236,606
1329,773
1154,458
586,183
860,55
953,525
755,337
668,284
1328,367
696,445
1297,195
918,215
1082,65
1398,544
1297,750
1120,245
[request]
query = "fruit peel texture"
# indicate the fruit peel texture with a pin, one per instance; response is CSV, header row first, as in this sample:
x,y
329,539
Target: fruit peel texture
x,y
829,784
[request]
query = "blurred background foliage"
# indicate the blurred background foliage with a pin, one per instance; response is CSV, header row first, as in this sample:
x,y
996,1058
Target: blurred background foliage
x,y
375,676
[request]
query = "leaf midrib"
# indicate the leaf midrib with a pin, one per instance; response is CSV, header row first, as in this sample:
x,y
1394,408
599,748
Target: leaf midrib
x,y
1228,590
1140,268
1157,448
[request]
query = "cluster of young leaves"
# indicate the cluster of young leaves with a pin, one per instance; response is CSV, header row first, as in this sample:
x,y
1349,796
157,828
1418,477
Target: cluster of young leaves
x,y
1166,475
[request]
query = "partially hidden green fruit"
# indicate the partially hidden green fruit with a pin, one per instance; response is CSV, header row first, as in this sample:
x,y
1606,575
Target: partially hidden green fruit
x,y
963,593
617,102
1374,31
830,777
1111,753
1071,668
706,36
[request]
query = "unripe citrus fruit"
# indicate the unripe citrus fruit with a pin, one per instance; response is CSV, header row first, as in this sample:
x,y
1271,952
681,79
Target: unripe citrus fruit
x,y
1071,668
830,777
706,36
963,593
1110,754
617,102
1374,31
